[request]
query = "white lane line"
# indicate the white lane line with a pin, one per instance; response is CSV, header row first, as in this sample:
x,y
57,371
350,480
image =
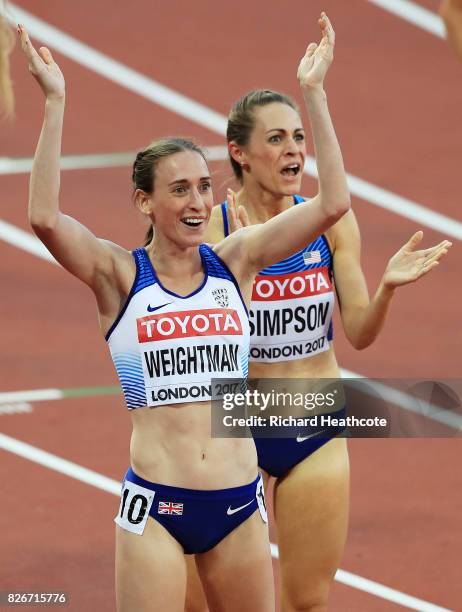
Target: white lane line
x,y
53,462
23,165
24,240
201,114
406,401
73,470
377,589
32,395
404,207
119,73
380,590
373,387
392,202
19,408
10,165
415,14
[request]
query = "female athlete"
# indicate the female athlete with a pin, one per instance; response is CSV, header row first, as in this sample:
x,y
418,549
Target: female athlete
x,y
174,316
291,313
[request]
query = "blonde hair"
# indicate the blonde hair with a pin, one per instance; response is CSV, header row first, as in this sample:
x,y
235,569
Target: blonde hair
x,y
6,46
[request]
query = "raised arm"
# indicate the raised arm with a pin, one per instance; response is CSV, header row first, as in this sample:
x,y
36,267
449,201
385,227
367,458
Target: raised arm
x,y
72,244
291,230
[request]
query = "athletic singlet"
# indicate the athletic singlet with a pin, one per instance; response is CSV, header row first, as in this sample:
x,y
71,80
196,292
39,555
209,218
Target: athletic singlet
x,y
166,348
292,303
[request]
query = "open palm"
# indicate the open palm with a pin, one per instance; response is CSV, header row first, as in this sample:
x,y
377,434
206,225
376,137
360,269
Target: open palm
x,y
408,265
42,66
317,59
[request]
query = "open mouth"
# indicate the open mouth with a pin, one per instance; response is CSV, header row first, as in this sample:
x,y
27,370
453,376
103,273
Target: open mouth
x,y
291,170
192,221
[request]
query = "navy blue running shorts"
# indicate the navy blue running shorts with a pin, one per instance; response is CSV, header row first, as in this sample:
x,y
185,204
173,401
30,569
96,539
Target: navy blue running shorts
x,y
198,520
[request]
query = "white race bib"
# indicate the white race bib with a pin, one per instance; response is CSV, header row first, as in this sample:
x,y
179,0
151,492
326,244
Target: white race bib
x,y
290,315
135,504
260,495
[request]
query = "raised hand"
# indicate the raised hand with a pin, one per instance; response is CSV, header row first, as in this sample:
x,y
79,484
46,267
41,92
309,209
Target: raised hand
x,y
317,59
43,68
408,265
237,215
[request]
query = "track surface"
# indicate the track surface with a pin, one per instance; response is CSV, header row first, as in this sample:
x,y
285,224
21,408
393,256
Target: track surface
x,y
395,95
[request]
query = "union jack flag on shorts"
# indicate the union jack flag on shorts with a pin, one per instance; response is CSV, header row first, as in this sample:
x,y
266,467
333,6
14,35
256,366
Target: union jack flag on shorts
x,y
169,508
311,257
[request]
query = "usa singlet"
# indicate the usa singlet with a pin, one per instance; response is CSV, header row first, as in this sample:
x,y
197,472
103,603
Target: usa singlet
x,y
292,304
167,348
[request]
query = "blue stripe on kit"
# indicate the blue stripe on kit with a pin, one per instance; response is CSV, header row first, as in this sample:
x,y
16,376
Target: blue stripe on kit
x,y
214,266
295,262
130,372
145,275
245,363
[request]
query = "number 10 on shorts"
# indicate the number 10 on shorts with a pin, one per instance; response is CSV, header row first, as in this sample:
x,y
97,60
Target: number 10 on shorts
x,y
135,504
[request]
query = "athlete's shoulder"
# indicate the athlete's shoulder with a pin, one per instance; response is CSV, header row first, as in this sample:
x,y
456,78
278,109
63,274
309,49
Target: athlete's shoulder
x,y
119,253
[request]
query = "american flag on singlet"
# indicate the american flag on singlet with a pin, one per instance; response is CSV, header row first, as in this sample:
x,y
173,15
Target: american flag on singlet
x,y
170,508
311,257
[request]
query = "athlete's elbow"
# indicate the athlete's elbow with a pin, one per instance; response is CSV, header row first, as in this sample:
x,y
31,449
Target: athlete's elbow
x,y
360,342
358,339
338,208
360,345
42,223
344,206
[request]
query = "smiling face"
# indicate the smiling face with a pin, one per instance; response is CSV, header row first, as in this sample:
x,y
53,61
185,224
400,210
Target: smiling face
x,y
182,200
275,154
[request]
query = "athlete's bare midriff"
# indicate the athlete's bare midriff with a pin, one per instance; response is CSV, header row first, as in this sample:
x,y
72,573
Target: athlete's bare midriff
x,y
172,445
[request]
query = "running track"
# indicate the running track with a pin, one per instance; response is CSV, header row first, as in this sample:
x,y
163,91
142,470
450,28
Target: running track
x,y
395,95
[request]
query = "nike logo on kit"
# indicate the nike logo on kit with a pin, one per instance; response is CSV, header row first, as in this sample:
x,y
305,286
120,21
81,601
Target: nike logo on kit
x,y
151,309
316,433
234,510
